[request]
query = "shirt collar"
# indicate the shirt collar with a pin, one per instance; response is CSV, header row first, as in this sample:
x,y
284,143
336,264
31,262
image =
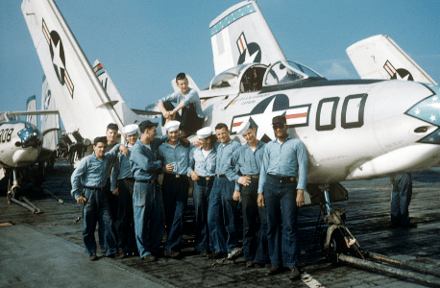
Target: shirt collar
x,y
288,138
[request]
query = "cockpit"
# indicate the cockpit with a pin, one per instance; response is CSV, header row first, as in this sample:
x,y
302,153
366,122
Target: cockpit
x,y
255,76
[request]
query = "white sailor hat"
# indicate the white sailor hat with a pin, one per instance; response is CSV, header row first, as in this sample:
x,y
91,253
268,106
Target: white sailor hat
x,y
243,127
130,129
204,132
172,126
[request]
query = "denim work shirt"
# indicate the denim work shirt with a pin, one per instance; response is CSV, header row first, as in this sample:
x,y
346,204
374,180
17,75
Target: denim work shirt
x,y
145,165
191,97
177,155
246,161
288,159
92,172
224,154
121,168
204,167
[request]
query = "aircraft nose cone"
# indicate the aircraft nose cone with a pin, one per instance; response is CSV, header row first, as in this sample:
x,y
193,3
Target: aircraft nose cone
x,y
30,137
428,110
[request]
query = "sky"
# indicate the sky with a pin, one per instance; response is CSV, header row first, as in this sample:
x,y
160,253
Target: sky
x,y
145,44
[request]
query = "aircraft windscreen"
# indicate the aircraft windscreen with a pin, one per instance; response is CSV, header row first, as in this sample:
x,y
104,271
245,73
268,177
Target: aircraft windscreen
x,y
228,78
287,71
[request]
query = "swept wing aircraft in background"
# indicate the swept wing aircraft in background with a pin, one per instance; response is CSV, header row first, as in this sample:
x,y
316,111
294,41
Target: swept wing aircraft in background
x,y
353,129
379,57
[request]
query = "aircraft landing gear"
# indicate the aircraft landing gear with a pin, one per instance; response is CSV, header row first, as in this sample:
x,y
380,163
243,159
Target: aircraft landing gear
x,y
336,238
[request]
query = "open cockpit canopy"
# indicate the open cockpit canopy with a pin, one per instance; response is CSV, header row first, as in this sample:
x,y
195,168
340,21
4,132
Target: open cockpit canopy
x,y
286,71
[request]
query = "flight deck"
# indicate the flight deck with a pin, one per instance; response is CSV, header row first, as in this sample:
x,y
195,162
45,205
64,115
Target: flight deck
x,y
47,250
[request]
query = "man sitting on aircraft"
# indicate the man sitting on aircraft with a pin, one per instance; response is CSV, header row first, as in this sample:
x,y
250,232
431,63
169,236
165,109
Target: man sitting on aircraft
x,y
188,100
284,160
91,175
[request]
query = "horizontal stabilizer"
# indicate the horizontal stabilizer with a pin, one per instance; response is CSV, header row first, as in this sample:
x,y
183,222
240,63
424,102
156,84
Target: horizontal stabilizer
x,y
379,57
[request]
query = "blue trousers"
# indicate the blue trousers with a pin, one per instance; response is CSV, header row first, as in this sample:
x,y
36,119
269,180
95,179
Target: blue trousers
x,y
202,189
148,213
97,209
175,197
282,213
400,199
125,223
255,247
223,216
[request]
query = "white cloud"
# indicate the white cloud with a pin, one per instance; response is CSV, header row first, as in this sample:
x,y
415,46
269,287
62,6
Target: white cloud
x,y
337,71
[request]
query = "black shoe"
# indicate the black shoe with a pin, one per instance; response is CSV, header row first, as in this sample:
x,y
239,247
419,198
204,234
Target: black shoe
x,y
250,264
295,273
273,269
93,257
409,225
171,253
149,258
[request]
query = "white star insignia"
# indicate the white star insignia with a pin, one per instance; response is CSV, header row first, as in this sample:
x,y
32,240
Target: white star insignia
x,y
56,57
264,121
434,98
250,58
432,118
417,112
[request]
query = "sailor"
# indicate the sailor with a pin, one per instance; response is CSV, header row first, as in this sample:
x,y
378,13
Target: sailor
x,y
188,101
175,158
148,207
400,199
284,160
122,182
247,159
222,211
91,175
202,171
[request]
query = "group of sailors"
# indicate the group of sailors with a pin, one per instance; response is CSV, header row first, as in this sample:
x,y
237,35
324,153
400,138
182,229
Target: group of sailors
x,y
269,179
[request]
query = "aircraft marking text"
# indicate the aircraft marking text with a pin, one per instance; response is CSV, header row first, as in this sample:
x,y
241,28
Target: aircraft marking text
x,y
5,135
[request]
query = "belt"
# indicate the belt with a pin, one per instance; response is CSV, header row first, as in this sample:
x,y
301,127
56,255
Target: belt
x,y
253,176
283,179
146,181
94,188
127,179
206,178
177,176
220,175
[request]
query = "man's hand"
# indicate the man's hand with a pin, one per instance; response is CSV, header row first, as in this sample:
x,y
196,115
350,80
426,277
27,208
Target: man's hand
x,y
260,200
236,196
300,198
169,168
185,142
81,200
194,175
166,114
123,149
116,191
243,180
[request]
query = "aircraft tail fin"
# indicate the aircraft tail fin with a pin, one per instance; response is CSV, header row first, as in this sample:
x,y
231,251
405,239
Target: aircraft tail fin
x,y
241,35
82,102
31,106
50,123
379,57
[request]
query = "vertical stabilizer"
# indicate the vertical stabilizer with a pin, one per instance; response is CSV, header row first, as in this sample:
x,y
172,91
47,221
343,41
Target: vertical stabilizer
x,y
241,35
82,102
379,57
50,123
31,105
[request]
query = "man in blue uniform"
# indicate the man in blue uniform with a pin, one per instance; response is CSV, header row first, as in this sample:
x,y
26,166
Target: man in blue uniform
x,y
122,182
400,199
147,201
188,100
175,186
247,159
284,160
202,160
222,211
91,175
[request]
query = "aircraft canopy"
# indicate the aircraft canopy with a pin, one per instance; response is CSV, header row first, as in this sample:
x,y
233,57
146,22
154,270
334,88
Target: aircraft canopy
x,y
245,78
286,71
